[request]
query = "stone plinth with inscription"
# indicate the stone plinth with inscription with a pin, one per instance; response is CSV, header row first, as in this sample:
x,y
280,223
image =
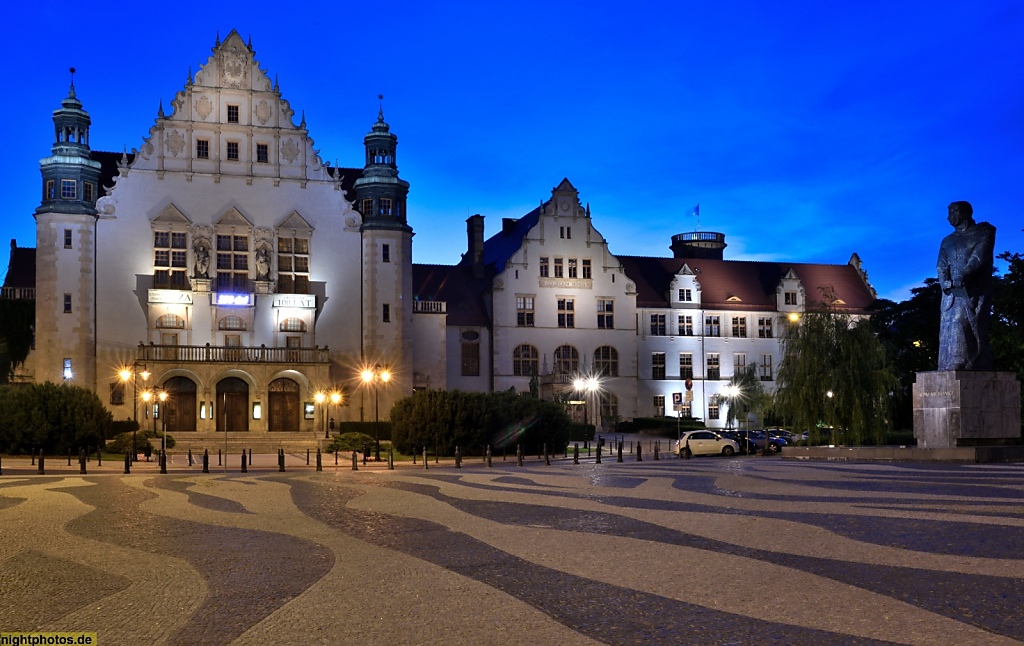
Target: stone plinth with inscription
x,y
965,408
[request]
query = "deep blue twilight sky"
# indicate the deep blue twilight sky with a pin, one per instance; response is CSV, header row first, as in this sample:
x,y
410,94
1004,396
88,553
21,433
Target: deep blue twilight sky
x,y
806,130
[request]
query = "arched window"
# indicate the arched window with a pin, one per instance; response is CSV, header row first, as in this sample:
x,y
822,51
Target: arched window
x,y
606,361
293,325
524,361
567,360
231,323
171,321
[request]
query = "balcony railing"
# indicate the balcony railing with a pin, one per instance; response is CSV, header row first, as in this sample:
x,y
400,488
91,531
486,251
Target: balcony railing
x,y
18,293
221,354
428,307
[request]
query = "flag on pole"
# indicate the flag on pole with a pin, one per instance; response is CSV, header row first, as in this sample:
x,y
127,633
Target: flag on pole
x,y
695,211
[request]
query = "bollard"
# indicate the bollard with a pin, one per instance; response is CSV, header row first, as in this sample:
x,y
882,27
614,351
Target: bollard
x,y
163,461
547,460
565,453
33,454
244,470
250,457
206,461
81,460
280,460
576,453
639,455
355,462
436,455
631,445
598,454
69,457
366,454
127,462
488,455
620,451
519,455
319,463
686,449
190,457
656,446
42,469
99,457
414,456
1,466
391,458
426,464
219,458
335,458
504,452
307,457
458,457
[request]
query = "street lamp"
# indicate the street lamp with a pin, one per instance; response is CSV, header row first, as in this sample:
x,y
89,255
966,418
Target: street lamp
x,y
335,399
134,373
373,376
320,398
591,387
163,424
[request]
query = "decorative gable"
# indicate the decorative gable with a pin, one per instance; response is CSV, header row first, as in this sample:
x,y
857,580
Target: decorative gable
x,y
171,215
297,223
233,218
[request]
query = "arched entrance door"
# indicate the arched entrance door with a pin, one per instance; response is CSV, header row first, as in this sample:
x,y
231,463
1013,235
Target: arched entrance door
x,y
233,405
284,405
181,404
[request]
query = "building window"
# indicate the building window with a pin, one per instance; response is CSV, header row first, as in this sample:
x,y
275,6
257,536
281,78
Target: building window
x,y
385,253
567,360
739,326
544,269
67,238
739,363
565,233
766,367
231,323
566,315
524,311
232,263
586,269
605,314
764,327
685,295
232,113
470,359
67,303
712,326
203,148
686,365
558,268
234,340
714,366
68,189
262,154
88,191
293,324
170,321
573,269
657,365
170,259
658,325
606,361
713,408
232,151
384,206
659,405
525,361
385,314
367,208
790,298
51,191
292,265
686,325
117,393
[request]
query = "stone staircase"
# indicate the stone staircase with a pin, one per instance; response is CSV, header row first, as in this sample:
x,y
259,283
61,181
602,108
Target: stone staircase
x,y
236,442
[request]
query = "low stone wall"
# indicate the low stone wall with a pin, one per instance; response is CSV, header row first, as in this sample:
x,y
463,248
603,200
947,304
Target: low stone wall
x,y
906,453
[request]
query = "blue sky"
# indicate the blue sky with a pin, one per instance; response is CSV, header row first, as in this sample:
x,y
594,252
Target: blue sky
x,y
806,131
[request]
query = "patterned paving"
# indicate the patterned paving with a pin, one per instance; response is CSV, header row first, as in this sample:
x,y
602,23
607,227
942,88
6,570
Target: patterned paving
x,y
704,551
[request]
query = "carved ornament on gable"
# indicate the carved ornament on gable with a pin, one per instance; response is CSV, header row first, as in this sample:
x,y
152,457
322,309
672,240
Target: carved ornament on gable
x,y
204,107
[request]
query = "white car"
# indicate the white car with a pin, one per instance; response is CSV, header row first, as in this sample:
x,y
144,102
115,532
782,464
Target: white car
x,y
705,443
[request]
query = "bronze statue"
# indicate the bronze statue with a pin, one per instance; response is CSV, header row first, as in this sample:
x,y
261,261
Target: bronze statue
x,y
965,274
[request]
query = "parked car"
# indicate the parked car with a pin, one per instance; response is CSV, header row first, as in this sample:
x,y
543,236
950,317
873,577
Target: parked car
x,y
756,438
746,447
705,443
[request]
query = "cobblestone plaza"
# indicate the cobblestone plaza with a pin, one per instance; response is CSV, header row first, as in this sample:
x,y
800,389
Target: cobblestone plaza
x,y
704,551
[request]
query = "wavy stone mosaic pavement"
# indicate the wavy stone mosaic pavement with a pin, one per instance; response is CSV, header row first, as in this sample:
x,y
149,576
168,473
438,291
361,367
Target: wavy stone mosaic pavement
x,y
705,551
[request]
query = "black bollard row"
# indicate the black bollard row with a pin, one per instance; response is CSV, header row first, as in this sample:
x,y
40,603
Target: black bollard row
x,y
206,461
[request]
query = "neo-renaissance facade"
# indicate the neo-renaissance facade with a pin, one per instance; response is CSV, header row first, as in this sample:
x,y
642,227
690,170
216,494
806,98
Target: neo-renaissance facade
x,y
224,263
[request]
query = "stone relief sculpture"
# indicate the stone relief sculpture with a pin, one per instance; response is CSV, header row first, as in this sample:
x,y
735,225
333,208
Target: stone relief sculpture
x,y
965,275
202,261
262,264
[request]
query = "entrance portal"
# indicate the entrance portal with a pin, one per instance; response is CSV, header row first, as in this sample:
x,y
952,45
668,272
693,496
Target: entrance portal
x,y
233,405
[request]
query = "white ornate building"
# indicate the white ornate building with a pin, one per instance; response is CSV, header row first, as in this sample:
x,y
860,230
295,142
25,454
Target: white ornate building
x,y
243,275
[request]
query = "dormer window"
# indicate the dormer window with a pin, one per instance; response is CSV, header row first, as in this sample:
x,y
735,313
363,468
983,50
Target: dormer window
x,y
790,298
685,295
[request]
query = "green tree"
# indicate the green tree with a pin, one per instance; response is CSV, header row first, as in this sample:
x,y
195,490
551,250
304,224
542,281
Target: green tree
x,y
51,417
835,372
17,319
1007,334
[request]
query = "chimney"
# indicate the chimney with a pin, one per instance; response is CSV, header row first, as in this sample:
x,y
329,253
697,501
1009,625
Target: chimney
x,y
475,235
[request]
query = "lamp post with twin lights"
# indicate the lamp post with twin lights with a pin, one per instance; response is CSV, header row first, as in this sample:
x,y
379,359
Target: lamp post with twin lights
x,y
137,370
373,376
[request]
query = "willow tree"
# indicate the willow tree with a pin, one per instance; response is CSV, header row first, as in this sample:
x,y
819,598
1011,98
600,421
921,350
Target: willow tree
x,y
835,373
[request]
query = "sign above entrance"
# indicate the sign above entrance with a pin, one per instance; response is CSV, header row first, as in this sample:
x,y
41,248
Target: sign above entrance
x,y
302,301
174,296
233,299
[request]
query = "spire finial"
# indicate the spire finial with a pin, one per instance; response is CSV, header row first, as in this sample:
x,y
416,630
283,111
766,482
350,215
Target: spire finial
x,y
380,114
72,91
218,39
249,44
303,124
189,81
160,113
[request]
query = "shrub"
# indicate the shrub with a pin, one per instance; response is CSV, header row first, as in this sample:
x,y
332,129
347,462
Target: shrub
x,y
350,442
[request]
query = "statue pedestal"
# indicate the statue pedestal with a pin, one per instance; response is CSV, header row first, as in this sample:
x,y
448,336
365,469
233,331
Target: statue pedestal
x,y
200,285
965,408
263,287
